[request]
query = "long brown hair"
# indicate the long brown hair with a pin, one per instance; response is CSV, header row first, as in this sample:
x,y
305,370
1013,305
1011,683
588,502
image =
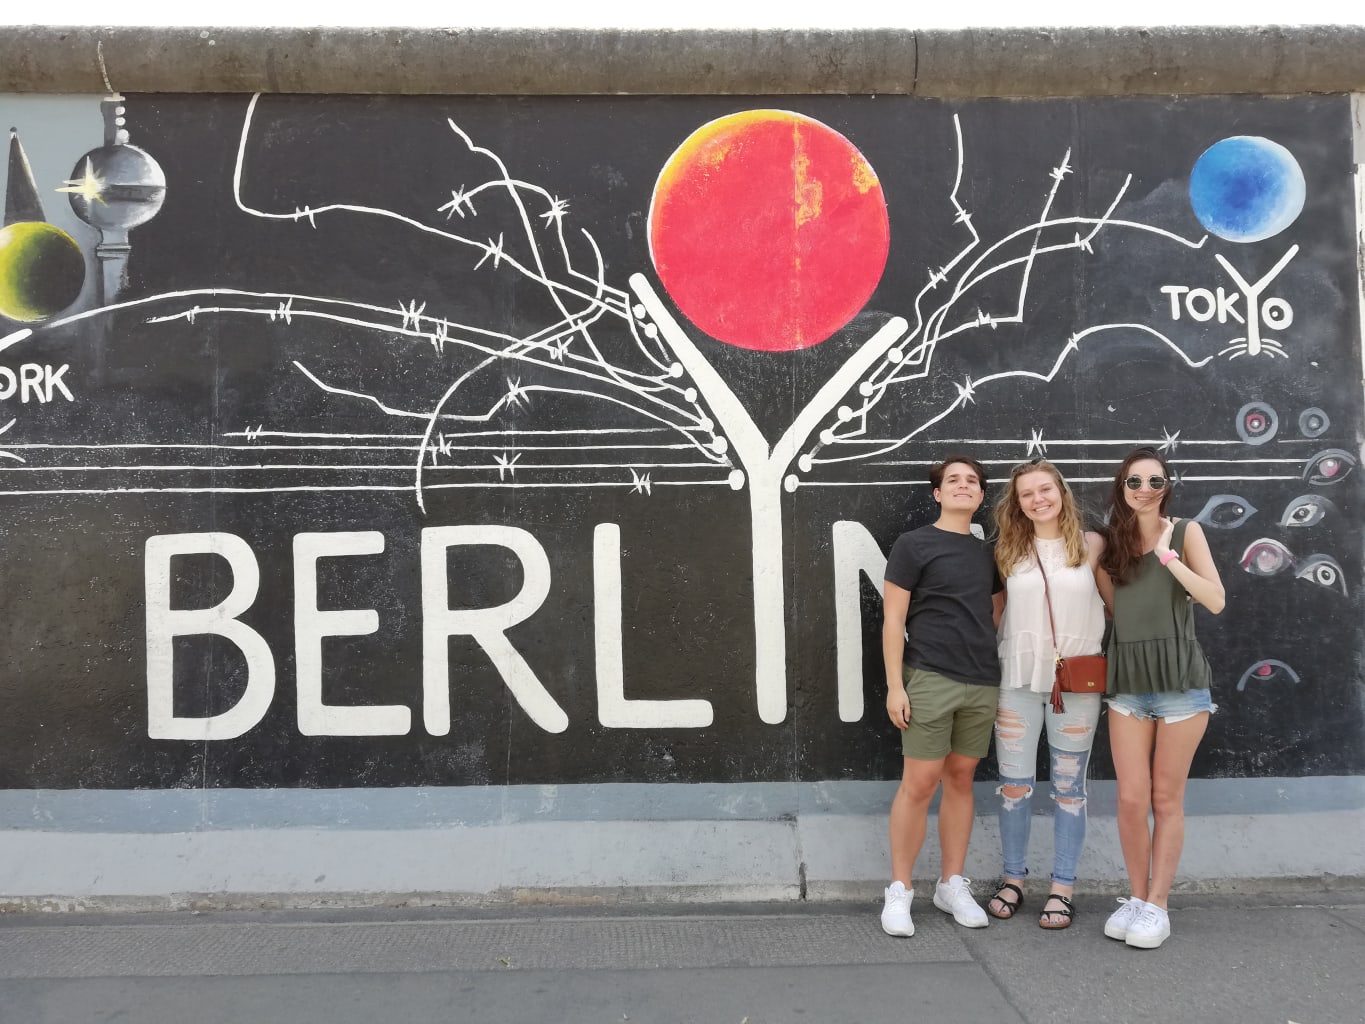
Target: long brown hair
x,y
1014,530
1122,535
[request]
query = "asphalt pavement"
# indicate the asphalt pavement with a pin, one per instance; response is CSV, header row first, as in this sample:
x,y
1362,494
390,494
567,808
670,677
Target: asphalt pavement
x,y
1292,955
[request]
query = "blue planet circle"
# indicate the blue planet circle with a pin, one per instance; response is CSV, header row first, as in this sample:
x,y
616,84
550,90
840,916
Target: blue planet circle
x,y
1246,188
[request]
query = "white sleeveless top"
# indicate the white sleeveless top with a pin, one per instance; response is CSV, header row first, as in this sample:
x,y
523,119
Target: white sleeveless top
x,y
1025,639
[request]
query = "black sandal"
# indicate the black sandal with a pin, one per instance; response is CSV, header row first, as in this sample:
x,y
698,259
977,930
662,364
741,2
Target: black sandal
x,y
1010,908
1066,913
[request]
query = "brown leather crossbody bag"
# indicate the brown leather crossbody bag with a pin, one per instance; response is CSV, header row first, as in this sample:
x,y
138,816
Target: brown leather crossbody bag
x,y
1085,673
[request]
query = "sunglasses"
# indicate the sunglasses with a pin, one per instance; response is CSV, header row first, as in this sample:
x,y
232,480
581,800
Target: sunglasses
x,y
1156,483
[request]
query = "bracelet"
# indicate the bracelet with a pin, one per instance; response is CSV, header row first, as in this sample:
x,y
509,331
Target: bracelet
x,y
1169,557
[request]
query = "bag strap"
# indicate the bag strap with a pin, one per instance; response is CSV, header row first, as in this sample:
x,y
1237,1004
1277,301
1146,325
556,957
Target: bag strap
x,y
1059,665
1047,596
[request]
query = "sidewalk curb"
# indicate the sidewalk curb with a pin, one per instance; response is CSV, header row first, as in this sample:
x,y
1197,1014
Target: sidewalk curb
x,y
721,898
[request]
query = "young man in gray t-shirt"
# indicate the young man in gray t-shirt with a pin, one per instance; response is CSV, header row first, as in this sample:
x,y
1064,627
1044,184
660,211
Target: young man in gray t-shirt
x,y
942,589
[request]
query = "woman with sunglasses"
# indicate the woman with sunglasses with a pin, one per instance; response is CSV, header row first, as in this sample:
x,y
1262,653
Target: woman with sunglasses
x,y
1052,607
1159,680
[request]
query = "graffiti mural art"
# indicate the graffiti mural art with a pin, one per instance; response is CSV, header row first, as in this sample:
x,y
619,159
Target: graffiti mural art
x,y
392,441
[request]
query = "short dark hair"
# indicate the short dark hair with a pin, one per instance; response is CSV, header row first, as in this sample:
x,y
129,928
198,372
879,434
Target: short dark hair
x,y
937,469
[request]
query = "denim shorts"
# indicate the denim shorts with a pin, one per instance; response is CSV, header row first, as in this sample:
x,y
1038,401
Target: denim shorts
x,y
1175,706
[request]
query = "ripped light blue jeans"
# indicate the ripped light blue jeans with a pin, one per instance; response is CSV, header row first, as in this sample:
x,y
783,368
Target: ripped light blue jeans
x,y
1019,723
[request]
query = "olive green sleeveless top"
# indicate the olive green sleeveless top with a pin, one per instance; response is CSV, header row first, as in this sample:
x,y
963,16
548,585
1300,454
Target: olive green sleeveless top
x,y
1152,648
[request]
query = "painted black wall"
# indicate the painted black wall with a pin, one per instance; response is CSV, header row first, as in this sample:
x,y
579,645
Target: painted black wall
x,y
77,520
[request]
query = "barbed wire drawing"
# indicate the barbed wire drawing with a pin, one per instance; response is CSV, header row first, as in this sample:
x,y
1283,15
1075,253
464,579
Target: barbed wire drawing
x,y
608,349
618,394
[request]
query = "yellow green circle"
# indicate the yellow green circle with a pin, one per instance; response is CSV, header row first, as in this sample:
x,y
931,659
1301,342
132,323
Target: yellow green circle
x,y
42,270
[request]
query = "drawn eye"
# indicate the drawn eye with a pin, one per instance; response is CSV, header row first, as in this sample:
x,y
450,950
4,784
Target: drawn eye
x,y
1306,510
1329,466
1313,422
1257,423
1270,671
1324,571
1266,557
1225,512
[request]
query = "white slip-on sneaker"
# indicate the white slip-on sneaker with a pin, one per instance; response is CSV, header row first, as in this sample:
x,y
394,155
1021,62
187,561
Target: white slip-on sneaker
x,y
1151,929
955,897
896,912
1120,920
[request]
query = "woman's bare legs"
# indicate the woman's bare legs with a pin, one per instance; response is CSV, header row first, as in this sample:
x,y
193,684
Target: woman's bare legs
x,y
1131,742
1152,761
1175,747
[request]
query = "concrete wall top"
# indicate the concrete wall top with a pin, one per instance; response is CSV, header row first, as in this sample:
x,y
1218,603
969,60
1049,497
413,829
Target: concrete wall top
x,y
957,63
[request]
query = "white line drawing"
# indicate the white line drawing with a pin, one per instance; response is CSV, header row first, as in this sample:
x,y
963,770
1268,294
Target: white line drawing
x,y
912,360
656,389
1276,309
623,350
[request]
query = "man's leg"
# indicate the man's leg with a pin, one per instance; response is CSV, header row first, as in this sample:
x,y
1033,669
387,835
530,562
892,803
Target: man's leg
x,y
953,894
956,811
910,814
924,745
972,725
971,739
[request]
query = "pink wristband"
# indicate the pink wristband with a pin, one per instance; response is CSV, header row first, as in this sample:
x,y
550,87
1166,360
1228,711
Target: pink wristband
x,y
1168,557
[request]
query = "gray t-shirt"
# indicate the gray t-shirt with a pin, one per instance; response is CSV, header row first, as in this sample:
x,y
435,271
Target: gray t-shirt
x,y
951,577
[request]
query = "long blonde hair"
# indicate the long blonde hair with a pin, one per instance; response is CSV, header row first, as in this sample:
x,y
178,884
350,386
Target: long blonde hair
x,y
1014,530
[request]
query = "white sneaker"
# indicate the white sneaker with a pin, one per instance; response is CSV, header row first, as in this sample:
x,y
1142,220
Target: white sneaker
x,y
1122,919
1151,929
896,912
955,897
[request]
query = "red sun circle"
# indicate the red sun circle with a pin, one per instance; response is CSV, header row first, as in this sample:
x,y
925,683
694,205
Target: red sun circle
x,y
769,230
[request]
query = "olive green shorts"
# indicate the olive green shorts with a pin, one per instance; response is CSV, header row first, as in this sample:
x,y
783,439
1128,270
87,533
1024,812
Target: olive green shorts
x,y
946,715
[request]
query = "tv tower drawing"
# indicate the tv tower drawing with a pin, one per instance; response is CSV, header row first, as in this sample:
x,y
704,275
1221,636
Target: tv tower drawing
x,y
114,189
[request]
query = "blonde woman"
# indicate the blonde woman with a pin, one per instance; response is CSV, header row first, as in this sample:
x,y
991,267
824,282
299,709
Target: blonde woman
x,y
1040,533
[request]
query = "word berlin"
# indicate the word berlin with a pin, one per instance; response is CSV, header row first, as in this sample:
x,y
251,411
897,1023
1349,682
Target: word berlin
x,y
856,553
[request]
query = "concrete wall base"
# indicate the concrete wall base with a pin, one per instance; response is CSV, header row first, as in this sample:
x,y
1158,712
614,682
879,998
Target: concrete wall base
x,y
606,844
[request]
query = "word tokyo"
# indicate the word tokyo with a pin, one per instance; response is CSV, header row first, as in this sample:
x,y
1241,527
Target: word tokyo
x,y
1202,305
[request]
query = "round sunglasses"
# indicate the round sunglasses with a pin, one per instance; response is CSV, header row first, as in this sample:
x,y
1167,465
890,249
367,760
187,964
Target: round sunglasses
x,y
1156,483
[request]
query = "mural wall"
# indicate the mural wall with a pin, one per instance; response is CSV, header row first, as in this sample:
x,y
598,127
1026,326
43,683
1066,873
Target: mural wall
x,y
365,441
